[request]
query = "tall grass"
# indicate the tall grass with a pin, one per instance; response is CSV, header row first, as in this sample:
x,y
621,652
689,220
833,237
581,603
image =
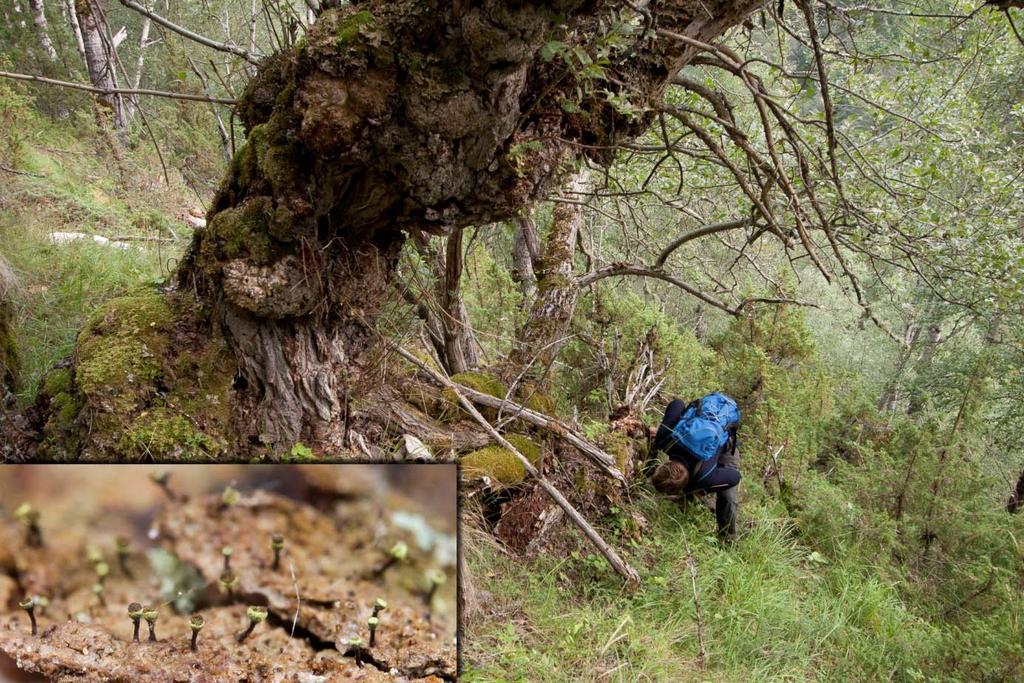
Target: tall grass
x,y
773,610
78,186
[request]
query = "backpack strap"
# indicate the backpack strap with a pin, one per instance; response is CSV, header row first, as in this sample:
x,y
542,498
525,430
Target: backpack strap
x,y
707,472
704,468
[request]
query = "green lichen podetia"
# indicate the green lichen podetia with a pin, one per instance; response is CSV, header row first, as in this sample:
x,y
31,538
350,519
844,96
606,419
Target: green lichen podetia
x,y
499,464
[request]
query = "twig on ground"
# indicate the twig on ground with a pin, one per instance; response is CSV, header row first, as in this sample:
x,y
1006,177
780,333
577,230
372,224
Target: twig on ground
x,y
140,238
702,655
24,173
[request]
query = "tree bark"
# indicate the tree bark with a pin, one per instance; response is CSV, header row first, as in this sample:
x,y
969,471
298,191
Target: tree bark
x,y
457,347
99,60
543,333
525,253
1016,500
441,307
42,28
76,27
390,119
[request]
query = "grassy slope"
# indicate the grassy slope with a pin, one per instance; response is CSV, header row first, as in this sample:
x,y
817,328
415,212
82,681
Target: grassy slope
x,y
827,587
772,608
84,189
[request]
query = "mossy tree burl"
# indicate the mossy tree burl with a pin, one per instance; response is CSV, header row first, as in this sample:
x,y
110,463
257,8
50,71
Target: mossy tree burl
x,y
390,119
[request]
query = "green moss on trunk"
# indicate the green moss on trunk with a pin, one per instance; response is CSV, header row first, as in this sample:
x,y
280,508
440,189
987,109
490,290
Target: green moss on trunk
x,y
149,381
119,350
499,464
163,434
350,27
9,362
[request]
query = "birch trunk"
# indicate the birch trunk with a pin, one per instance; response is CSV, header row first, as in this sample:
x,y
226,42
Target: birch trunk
x,y
76,28
99,60
42,28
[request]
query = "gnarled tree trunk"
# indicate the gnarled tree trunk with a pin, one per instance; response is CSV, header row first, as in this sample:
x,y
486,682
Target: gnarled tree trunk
x,y
393,118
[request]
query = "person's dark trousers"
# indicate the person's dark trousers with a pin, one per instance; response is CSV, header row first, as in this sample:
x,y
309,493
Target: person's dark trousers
x,y
726,504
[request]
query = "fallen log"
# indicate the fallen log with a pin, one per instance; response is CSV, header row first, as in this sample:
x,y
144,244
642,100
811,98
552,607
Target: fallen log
x,y
599,457
621,567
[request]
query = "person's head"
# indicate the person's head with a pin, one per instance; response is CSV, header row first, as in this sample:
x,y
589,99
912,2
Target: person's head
x,y
671,477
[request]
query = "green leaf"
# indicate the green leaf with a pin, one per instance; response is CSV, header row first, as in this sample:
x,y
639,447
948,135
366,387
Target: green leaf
x,y
551,50
817,558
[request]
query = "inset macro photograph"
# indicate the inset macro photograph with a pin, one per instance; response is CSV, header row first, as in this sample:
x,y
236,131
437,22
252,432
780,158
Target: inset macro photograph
x,y
306,573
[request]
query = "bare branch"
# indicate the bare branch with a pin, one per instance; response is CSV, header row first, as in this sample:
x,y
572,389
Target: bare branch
x,y
826,97
191,35
1006,11
113,91
699,232
614,269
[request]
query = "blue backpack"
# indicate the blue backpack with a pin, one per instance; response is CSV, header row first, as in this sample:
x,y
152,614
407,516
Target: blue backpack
x,y
705,427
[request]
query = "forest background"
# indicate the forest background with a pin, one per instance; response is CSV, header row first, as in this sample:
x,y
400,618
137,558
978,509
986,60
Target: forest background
x,y
823,220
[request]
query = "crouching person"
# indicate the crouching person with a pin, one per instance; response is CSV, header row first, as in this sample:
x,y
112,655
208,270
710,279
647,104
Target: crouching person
x,y
703,455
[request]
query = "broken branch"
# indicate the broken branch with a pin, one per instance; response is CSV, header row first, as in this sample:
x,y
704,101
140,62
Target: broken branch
x,y
600,458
